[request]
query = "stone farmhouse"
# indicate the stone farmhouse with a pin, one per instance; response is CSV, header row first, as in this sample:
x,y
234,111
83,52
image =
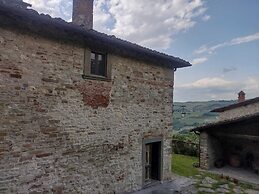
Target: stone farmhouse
x,y
230,145
81,111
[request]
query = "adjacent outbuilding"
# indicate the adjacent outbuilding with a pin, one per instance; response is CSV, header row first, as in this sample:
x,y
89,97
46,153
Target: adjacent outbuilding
x,y
230,144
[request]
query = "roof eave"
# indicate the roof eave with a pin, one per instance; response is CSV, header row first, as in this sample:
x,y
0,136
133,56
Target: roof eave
x,y
44,25
225,122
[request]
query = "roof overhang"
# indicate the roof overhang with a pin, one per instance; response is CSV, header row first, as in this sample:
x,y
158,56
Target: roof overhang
x,y
30,21
237,121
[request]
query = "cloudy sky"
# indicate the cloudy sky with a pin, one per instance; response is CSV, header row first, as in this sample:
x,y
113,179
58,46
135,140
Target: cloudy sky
x,y
220,38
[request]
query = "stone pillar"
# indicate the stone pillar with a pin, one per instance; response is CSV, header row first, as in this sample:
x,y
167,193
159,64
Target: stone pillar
x,y
83,13
204,148
210,150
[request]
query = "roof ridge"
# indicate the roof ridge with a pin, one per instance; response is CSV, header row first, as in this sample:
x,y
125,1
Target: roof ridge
x,y
236,105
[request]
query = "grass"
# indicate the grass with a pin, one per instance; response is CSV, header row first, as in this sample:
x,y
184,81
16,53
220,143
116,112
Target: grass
x,y
183,165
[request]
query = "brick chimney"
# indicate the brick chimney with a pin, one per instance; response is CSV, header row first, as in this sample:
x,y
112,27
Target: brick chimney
x,y
83,13
241,96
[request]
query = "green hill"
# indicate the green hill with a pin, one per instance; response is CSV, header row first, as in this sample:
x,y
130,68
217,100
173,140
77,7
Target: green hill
x,y
192,114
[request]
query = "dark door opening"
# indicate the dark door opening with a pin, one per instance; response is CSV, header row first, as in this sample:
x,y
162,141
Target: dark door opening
x,y
152,162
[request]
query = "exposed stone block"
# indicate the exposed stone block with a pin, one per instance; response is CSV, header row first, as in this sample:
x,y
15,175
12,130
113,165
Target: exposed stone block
x,y
16,75
42,155
48,130
50,80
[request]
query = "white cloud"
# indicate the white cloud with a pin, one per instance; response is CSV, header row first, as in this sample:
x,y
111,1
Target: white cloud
x,y
215,82
217,88
55,8
197,61
252,85
245,39
235,41
151,23
210,50
206,18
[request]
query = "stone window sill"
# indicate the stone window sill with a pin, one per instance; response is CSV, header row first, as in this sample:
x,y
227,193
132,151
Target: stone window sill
x,y
96,77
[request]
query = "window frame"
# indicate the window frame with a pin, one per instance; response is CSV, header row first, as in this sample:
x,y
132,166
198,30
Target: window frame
x,y
87,66
151,140
97,65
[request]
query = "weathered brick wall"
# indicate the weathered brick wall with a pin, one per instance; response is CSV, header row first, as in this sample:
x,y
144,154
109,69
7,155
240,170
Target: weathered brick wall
x,y
60,133
240,111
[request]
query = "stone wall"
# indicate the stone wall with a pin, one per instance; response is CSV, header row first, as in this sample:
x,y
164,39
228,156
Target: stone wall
x,y
240,111
210,150
204,150
60,133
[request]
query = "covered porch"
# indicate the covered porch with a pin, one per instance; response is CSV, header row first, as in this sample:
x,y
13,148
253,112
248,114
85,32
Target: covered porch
x,y
231,148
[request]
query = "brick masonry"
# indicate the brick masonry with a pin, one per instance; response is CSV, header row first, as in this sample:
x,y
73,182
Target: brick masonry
x,y
83,13
60,133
